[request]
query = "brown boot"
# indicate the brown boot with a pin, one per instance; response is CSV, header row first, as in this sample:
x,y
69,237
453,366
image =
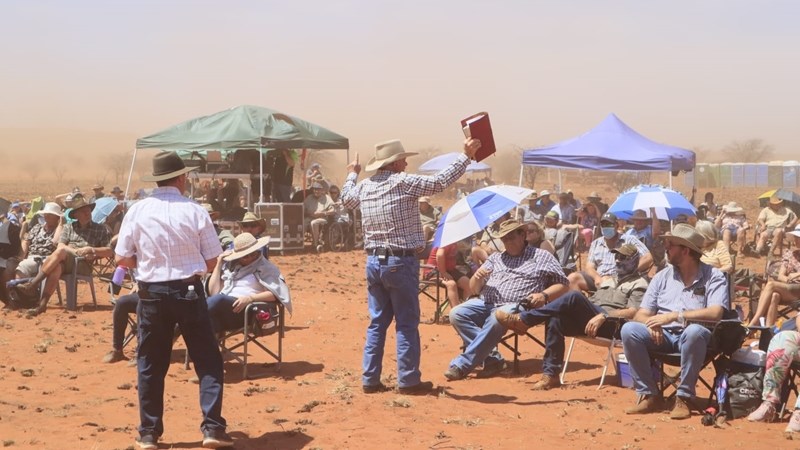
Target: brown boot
x,y
511,321
546,383
681,410
646,404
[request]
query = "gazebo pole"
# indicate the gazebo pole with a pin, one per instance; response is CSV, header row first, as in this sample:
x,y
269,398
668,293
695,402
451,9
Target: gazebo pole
x,y
130,175
261,175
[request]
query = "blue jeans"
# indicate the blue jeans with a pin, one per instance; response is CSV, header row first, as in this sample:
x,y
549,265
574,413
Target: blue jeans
x,y
474,321
127,304
392,294
161,306
692,344
220,311
565,316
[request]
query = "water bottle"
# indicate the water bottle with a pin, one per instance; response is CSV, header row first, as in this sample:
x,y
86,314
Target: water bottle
x,y
118,278
191,294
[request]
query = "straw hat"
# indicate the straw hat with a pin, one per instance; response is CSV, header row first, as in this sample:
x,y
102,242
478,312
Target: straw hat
x,y
774,200
532,197
544,193
244,244
78,203
593,197
686,235
424,199
252,218
51,208
733,208
97,187
116,190
387,153
167,165
707,229
507,227
626,249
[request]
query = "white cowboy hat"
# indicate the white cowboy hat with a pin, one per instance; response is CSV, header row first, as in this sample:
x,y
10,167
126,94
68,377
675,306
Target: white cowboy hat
x,y
387,153
244,244
51,208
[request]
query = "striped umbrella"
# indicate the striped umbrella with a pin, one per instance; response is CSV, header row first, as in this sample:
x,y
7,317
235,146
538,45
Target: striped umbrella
x,y
668,203
477,211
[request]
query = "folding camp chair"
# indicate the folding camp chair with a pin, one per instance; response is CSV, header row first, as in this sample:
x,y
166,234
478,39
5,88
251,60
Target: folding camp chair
x,y
129,283
248,335
610,344
430,286
514,346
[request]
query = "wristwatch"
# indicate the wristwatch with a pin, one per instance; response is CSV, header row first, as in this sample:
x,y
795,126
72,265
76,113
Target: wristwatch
x,y
546,297
681,319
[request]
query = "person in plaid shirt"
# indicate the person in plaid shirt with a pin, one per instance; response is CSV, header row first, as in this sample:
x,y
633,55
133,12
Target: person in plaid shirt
x,y
521,274
82,238
393,240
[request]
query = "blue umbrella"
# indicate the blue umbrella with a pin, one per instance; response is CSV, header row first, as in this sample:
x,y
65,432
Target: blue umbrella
x,y
477,211
102,208
441,162
668,203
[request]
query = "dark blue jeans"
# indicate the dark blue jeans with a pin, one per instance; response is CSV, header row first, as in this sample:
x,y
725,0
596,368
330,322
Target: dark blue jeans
x,y
161,306
565,316
127,304
220,310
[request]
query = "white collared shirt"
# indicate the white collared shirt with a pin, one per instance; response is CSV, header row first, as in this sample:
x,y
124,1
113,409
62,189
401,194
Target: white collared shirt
x,y
171,236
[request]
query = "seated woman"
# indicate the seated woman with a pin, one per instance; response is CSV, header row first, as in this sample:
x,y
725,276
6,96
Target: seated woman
x,y
248,277
588,221
733,225
535,238
785,289
784,349
715,252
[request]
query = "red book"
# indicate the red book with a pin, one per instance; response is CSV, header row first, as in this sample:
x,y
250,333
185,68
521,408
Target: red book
x,y
477,126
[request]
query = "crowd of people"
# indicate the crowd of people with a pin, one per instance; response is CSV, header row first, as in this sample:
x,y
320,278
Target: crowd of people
x,y
660,279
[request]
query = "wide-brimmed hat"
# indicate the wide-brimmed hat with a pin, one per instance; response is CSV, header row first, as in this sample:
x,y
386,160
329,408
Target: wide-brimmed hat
x,y
252,218
775,200
733,208
639,214
686,235
244,244
387,153
507,227
116,190
51,208
424,199
707,229
167,165
531,197
97,187
544,193
626,249
78,203
593,196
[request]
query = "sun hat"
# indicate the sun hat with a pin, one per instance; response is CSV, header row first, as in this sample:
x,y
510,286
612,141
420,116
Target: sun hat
x,y
544,193
609,218
252,218
51,208
116,190
732,207
533,196
507,227
796,232
686,235
97,187
244,244
707,229
424,199
167,165
387,153
774,200
78,203
593,196
625,249
639,214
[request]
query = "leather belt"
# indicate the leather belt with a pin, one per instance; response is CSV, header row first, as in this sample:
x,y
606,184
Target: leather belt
x,y
391,252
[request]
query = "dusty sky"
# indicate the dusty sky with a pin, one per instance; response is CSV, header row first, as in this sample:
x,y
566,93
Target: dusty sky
x,y
688,73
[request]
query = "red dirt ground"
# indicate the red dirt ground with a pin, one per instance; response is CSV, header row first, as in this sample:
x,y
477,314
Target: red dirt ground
x,y
56,394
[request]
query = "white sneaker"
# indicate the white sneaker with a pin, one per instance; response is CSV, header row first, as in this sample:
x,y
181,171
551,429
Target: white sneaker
x,y
794,422
764,413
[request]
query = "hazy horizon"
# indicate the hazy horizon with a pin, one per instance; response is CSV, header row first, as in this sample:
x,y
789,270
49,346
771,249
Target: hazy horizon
x,y
690,74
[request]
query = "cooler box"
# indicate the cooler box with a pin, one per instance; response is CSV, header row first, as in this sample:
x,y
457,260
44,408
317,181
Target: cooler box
x,y
624,372
284,224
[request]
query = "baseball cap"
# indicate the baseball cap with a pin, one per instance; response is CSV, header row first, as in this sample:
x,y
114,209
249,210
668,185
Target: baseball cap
x,y
609,217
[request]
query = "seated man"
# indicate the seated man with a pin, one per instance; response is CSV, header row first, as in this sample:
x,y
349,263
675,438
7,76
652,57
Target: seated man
x,y
317,208
248,277
525,213
733,225
429,216
646,229
82,238
123,306
687,290
543,205
565,209
572,314
600,264
225,236
98,193
519,274
773,222
10,249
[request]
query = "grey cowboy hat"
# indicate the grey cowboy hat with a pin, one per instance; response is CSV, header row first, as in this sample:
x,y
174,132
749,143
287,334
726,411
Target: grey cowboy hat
x,y
167,165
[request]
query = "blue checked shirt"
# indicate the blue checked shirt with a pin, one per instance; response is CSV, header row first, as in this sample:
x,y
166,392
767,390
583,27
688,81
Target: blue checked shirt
x,y
667,292
389,204
603,259
514,278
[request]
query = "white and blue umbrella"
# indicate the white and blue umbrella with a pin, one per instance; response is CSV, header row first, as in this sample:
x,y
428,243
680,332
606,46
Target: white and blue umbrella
x,y
668,203
102,209
441,162
477,211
